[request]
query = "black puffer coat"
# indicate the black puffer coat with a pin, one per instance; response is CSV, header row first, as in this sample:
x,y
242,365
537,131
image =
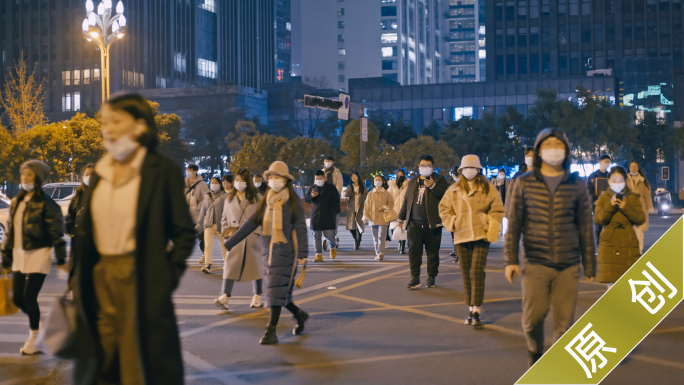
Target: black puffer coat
x,y
325,207
558,229
43,226
75,209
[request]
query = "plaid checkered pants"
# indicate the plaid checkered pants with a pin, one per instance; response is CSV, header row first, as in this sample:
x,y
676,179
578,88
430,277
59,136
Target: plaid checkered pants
x,y
473,258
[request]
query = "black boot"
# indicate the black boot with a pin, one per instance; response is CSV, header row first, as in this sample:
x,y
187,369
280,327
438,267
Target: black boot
x,y
301,319
476,321
270,337
533,358
357,243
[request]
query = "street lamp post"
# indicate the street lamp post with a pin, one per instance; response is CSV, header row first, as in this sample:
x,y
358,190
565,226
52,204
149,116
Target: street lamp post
x,y
104,28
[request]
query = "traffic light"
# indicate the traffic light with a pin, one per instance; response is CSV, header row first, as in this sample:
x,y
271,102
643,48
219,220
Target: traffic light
x,y
311,101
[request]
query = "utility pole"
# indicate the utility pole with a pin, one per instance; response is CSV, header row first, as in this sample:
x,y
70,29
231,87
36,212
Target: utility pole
x,y
363,131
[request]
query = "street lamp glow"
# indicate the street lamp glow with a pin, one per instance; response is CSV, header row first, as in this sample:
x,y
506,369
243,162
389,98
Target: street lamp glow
x,y
122,20
94,34
100,9
115,26
86,25
108,4
89,6
119,7
120,35
92,19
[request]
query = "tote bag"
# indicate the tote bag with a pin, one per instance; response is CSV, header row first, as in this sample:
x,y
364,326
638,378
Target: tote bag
x,y
60,328
7,306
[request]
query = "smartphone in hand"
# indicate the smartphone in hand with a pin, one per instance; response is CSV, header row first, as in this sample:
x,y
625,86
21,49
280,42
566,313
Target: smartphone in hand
x,y
620,197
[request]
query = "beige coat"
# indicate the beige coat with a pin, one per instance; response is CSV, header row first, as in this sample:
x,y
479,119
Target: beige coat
x,y
636,185
472,216
242,261
376,200
398,201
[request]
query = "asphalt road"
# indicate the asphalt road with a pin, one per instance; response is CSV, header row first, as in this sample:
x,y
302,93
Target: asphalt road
x,y
366,328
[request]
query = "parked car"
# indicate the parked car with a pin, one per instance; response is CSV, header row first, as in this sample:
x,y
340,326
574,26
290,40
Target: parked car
x,y
61,193
4,218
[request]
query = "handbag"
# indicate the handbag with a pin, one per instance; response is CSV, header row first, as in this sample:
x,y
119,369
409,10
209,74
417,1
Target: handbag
x,y
227,233
390,216
60,327
399,234
7,306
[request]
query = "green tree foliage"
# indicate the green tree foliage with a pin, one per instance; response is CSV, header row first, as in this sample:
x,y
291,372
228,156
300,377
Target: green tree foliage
x,y
409,152
395,132
258,153
385,161
432,130
656,140
351,144
305,155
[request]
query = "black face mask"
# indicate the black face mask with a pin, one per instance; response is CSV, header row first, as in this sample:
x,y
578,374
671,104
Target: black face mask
x,y
400,180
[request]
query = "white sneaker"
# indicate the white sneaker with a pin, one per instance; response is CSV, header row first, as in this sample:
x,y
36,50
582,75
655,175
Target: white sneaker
x,y
380,257
206,269
256,301
222,302
29,347
201,261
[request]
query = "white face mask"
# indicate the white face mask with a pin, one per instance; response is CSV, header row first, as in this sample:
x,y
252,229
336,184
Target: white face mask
x,y
529,161
86,180
319,182
501,177
425,171
327,164
553,156
240,186
28,186
469,173
257,184
377,184
617,187
122,148
215,187
276,184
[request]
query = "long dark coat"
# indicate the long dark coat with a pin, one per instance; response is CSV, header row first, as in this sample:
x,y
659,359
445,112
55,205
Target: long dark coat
x,y
163,216
618,245
325,207
354,221
281,267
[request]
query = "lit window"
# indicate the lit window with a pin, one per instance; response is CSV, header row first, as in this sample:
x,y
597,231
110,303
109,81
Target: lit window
x,y
388,38
209,5
288,26
66,102
96,74
388,24
341,51
77,77
389,51
66,78
77,101
206,68
86,76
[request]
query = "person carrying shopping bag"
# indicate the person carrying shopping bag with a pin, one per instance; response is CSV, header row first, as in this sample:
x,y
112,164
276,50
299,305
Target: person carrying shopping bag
x,y
619,212
242,261
209,221
472,209
35,227
379,212
356,194
284,244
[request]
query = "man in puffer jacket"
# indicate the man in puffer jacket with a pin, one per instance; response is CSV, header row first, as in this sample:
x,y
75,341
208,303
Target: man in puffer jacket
x,y
551,209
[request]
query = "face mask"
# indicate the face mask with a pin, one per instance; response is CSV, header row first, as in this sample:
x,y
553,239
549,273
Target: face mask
x,y
276,184
553,157
378,185
469,173
456,178
617,187
425,171
241,186
529,161
191,174
215,187
257,184
28,186
501,177
86,180
319,183
327,164
401,178
122,148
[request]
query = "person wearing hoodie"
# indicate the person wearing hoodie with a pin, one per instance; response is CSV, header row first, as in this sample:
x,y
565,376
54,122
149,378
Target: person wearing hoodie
x,y
242,262
378,204
35,227
284,244
638,184
551,209
419,215
356,194
472,210
397,188
209,221
324,210
195,190
619,212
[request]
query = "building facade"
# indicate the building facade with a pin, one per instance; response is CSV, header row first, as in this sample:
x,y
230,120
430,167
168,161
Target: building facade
x,y
168,44
535,39
337,40
465,54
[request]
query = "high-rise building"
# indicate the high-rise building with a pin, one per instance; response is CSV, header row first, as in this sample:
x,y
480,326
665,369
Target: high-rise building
x,y
465,41
168,44
397,39
638,41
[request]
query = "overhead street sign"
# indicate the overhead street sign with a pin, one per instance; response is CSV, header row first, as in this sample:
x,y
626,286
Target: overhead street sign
x,y
343,112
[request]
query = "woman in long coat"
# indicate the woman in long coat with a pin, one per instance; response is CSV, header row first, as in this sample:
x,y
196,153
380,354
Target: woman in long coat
x,y
638,184
242,261
209,221
618,243
356,193
284,244
131,244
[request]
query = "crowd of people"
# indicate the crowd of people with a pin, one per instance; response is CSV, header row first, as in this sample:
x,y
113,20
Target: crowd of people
x,y
134,221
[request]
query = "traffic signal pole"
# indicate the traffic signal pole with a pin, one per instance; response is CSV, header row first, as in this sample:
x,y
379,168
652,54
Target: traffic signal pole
x,y
361,141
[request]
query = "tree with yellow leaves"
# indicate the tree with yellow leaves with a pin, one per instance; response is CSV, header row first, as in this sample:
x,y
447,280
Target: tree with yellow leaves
x,y
22,99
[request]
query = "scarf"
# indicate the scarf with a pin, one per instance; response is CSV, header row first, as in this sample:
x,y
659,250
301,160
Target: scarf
x,y
273,218
329,174
634,180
